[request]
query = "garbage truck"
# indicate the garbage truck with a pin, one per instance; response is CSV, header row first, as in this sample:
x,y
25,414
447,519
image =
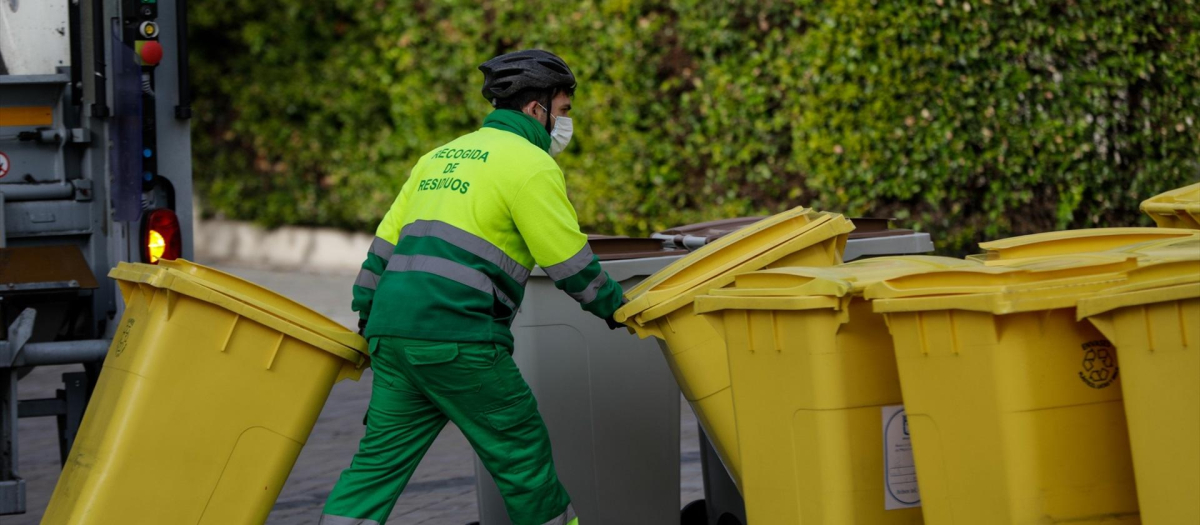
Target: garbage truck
x,y
95,169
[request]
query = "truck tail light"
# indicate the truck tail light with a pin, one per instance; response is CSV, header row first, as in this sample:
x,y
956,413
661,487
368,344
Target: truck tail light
x,y
161,237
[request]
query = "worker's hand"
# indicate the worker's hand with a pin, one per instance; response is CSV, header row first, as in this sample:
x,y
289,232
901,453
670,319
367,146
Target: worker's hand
x,y
612,324
362,325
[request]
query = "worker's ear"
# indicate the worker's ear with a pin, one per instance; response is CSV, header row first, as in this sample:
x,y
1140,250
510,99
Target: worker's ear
x,y
531,108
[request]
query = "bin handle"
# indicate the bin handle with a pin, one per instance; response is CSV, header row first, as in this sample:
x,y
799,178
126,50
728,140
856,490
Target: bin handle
x,y
643,331
1104,323
352,371
126,289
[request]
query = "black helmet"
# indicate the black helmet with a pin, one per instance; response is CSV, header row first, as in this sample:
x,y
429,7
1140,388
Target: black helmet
x,y
508,74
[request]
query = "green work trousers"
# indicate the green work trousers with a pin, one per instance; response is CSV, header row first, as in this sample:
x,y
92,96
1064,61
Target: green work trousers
x,y
418,387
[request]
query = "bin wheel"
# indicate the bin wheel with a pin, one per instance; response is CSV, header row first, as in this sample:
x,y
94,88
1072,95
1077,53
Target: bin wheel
x,y
694,513
729,519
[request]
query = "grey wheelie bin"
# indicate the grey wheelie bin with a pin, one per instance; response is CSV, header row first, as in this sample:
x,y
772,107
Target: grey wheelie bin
x,y
874,237
608,398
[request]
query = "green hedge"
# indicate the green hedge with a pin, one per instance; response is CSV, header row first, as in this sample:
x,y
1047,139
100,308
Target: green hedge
x,y
971,120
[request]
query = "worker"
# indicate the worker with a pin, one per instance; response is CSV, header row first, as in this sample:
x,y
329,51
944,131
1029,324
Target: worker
x,y
441,284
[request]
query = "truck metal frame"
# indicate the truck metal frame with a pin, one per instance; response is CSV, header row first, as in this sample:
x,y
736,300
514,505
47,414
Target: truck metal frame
x,y
94,136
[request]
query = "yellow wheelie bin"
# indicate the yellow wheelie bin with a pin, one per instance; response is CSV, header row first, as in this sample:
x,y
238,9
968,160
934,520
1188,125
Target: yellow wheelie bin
x,y
1069,242
816,394
662,307
211,387
1178,208
1013,404
1154,321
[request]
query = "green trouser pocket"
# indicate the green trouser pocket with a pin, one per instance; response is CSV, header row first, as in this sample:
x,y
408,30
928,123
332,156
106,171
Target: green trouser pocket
x,y
505,418
449,369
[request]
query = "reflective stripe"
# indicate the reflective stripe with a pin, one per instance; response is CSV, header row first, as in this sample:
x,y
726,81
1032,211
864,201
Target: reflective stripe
x,y
382,248
593,289
448,269
568,517
472,243
571,266
367,279
330,519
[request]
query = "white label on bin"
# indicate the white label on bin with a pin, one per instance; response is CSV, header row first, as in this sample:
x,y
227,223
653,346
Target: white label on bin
x,y
899,471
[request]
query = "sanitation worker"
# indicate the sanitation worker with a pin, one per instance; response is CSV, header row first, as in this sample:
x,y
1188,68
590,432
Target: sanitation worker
x,y
439,289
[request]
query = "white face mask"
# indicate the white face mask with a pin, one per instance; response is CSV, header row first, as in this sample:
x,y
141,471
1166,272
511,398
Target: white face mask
x,y
560,133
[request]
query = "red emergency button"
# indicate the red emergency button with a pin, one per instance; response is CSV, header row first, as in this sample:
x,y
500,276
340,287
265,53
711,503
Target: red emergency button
x,y
152,53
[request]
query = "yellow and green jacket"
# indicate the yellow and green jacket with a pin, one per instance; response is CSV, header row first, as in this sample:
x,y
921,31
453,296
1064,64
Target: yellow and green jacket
x,y
450,259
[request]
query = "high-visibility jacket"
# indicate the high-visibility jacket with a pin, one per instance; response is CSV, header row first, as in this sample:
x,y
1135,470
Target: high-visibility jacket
x,y
451,257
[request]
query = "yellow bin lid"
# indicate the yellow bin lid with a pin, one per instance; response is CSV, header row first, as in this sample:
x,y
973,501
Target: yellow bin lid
x,y
1023,285
1069,242
751,248
1179,207
287,317
1173,277
1166,249
801,288
267,300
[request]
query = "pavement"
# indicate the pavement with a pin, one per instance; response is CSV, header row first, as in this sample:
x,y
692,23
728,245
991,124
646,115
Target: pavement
x,y
441,492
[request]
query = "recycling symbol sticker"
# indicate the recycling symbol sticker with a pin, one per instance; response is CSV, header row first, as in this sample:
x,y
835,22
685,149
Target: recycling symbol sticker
x,y
1099,368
